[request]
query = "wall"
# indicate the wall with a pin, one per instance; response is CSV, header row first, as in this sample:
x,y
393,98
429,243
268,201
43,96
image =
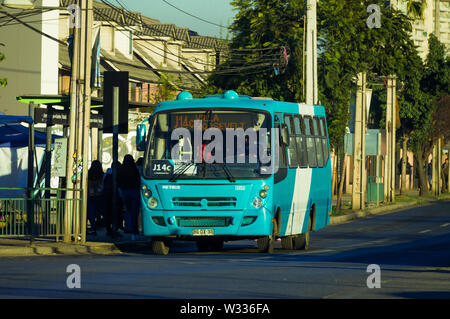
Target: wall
x,y
26,71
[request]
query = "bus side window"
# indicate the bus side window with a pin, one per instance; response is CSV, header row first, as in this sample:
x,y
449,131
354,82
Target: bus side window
x,y
281,172
318,140
282,148
292,149
323,129
300,141
310,145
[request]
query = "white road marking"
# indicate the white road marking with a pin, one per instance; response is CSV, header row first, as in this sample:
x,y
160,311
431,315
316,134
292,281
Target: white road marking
x,y
445,225
424,231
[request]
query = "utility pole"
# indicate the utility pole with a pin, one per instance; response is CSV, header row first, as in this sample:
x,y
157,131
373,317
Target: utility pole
x,y
80,102
311,52
389,163
436,175
71,196
88,16
359,167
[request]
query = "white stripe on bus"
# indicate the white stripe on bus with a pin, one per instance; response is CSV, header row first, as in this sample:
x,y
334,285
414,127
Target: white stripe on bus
x,y
302,188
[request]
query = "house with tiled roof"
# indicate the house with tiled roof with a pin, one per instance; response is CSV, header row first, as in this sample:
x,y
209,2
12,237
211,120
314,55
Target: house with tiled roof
x,y
146,48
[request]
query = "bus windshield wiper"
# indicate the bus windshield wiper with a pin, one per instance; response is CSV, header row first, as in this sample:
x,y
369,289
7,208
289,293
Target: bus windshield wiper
x,y
228,173
181,171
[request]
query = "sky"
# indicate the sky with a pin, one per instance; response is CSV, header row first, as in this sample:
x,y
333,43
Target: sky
x,y
215,11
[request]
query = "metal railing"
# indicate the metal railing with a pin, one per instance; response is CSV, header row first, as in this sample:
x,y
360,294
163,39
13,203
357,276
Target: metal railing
x,y
40,212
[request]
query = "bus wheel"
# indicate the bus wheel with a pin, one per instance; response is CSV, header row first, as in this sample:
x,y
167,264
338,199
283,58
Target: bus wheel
x,y
159,247
301,242
287,242
266,244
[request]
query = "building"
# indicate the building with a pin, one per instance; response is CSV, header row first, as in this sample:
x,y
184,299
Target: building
x,y
436,19
156,55
37,64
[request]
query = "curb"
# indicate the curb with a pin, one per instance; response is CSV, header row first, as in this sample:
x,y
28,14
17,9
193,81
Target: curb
x,y
336,220
72,249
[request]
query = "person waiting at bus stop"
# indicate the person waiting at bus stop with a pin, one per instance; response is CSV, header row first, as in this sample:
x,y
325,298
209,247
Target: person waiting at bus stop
x,y
444,173
129,183
112,227
95,199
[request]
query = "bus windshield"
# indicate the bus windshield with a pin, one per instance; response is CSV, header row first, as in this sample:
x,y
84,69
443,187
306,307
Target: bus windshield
x,y
208,144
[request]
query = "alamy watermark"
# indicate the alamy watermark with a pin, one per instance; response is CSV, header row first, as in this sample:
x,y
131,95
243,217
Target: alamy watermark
x,y
75,16
374,279
207,146
374,20
74,279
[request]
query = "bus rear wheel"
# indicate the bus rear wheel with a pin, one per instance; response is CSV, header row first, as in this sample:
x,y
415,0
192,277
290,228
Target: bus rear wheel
x,y
301,242
266,244
160,247
287,242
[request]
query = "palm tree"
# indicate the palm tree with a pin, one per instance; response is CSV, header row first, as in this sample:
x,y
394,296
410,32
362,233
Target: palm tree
x,y
416,8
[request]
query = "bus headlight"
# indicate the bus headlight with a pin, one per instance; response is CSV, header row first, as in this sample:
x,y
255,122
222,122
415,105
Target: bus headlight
x,y
152,202
263,193
147,193
257,202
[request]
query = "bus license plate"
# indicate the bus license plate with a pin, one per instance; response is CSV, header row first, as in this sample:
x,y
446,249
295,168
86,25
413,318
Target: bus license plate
x,y
203,232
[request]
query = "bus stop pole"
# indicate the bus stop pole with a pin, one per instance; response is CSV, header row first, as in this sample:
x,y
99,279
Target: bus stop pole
x,y
30,178
115,157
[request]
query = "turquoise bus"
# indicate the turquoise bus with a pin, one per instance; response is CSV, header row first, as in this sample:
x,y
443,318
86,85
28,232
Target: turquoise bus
x,y
264,174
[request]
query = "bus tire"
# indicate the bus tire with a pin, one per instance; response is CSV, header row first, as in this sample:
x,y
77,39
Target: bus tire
x,y
301,242
159,247
287,242
266,244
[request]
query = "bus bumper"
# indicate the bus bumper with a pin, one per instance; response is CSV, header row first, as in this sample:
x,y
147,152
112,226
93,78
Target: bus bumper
x,y
245,223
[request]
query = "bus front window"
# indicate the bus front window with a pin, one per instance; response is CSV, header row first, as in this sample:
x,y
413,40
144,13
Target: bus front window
x,y
208,144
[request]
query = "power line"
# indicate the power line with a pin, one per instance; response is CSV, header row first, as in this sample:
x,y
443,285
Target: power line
x,y
34,29
173,36
229,71
164,50
194,16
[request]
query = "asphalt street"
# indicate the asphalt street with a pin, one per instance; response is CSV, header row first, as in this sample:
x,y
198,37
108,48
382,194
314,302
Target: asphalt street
x,y
411,248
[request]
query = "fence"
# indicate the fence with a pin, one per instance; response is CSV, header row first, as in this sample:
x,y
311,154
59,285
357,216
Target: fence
x,y
42,212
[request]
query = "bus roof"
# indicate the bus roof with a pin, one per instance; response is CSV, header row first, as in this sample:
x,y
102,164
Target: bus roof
x,y
230,99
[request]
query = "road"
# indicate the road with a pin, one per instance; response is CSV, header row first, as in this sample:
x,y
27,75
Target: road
x,y
411,247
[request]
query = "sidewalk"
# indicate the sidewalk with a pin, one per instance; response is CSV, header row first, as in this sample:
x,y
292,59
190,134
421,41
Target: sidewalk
x,y
410,199
101,244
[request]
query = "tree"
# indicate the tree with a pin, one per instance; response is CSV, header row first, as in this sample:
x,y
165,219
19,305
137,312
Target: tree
x,y
429,120
167,88
416,8
346,47
3,81
260,30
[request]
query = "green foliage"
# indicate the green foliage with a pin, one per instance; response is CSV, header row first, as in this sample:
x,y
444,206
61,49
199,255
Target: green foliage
x,y
167,88
3,81
416,8
263,24
347,46
429,85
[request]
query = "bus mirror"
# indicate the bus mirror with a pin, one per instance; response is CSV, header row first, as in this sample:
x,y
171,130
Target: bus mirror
x,y
140,137
285,135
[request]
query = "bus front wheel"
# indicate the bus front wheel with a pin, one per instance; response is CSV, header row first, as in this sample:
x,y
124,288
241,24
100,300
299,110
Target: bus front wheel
x,y
160,247
266,244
